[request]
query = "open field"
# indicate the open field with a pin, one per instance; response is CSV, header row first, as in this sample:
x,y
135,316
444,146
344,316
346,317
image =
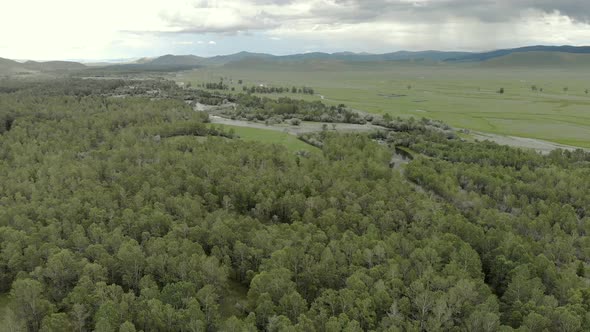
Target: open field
x,y
270,137
463,95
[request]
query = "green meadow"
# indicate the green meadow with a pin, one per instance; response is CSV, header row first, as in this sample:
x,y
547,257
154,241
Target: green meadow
x,y
291,142
538,102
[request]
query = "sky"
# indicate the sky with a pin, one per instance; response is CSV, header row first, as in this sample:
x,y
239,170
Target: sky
x,y
117,29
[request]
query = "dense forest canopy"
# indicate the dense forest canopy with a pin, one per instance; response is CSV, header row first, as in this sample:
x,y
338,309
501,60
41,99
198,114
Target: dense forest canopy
x,y
134,214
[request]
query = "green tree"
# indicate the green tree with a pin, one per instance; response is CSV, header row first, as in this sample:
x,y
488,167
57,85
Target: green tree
x,y
131,263
209,303
127,326
79,315
276,283
62,271
292,305
30,305
56,322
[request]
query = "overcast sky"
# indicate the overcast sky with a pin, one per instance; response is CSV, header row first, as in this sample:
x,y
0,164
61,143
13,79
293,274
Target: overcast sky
x,y
110,29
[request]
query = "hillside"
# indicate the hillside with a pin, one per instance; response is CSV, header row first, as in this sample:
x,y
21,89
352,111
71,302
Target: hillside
x,y
224,59
551,55
503,52
537,55
364,57
11,67
524,56
539,59
8,66
53,65
176,61
527,56
170,61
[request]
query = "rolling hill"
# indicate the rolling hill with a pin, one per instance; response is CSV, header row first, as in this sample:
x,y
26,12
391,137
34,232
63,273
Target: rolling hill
x,y
180,62
548,55
504,52
185,61
539,59
365,57
224,59
53,65
525,56
170,60
11,67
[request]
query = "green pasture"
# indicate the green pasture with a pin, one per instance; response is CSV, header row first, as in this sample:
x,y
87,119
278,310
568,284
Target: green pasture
x,y
291,142
463,95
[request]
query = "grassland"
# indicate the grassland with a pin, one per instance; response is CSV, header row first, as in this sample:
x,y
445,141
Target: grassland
x,y
291,142
463,95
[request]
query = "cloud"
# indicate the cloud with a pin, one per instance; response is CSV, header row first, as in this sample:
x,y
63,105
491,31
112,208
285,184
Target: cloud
x,y
209,17
382,24
411,24
292,25
440,10
577,10
234,16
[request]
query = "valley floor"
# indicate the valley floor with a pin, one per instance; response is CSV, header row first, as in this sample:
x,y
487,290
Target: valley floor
x,y
548,103
538,145
304,127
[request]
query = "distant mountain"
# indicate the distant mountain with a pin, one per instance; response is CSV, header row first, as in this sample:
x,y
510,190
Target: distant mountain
x,y
180,62
191,61
10,67
523,56
539,48
110,62
143,60
170,60
366,57
224,59
53,65
535,59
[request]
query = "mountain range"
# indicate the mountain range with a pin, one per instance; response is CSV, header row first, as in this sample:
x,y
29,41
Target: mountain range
x,y
529,56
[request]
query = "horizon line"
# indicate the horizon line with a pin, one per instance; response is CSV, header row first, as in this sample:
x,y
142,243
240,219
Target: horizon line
x,y
124,59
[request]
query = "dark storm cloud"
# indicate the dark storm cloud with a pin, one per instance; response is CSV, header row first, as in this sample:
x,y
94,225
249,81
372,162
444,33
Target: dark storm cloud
x,y
577,10
437,10
266,14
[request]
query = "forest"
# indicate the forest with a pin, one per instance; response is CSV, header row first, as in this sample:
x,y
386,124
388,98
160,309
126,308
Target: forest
x,y
253,108
123,209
